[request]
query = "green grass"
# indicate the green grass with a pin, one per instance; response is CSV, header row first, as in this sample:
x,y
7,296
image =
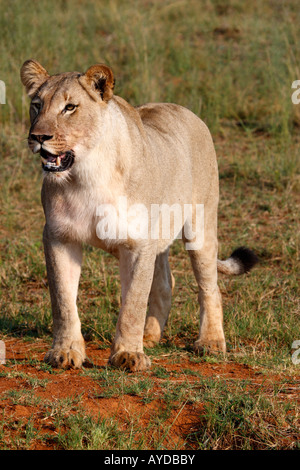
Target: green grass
x,y
232,64
234,419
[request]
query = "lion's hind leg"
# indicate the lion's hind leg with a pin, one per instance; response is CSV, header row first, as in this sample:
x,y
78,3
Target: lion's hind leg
x,y
211,335
159,300
204,262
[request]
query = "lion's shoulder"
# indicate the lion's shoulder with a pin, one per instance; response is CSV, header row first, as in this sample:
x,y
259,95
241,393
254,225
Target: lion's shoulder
x,y
158,111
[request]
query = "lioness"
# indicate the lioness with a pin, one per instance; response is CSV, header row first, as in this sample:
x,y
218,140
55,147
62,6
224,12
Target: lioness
x,y
95,149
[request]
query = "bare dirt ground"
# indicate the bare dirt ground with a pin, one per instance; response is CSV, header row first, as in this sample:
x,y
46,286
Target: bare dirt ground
x,y
23,364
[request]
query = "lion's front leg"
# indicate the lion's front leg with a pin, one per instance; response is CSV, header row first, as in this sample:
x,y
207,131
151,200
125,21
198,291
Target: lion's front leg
x,y
136,272
63,262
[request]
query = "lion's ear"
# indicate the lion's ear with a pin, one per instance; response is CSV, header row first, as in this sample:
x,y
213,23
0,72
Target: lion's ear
x,y
33,75
101,79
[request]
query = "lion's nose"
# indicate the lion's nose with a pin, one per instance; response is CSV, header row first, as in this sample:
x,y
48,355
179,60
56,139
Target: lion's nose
x,y
40,138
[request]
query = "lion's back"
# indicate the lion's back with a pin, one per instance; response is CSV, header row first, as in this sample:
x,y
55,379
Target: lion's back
x,y
180,132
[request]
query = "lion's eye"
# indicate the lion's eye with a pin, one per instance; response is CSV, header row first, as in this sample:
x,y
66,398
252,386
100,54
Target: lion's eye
x,y
37,105
70,107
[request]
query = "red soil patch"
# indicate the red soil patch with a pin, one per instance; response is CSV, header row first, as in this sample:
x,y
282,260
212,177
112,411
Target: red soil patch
x,y
25,372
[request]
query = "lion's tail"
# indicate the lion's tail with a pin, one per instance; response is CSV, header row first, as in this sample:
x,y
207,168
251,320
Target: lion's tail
x,y
240,261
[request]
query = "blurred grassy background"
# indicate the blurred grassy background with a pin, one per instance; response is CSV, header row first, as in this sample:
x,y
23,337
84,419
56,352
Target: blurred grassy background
x,y
233,64
224,60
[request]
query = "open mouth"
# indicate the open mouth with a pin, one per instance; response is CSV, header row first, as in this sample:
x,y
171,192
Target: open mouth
x,y
55,163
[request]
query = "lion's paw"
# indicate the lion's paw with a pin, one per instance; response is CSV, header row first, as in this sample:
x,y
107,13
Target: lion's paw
x,y
132,361
150,341
210,347
65,358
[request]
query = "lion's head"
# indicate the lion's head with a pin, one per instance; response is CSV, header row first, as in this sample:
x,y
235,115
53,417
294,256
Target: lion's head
x,y
65,111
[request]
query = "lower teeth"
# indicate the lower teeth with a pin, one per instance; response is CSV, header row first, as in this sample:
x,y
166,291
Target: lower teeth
x,y
51,164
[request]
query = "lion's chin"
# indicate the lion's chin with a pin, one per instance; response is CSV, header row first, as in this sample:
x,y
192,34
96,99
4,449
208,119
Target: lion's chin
x,y
57,163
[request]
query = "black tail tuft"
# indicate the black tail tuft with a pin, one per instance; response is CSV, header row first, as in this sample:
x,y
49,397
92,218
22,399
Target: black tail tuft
x,y
245,258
